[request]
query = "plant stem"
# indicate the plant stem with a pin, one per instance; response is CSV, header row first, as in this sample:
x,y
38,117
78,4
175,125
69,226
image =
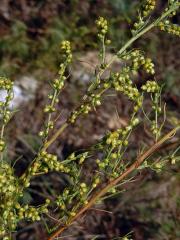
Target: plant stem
x,y
50,115
55,136
103,50
133,39
114,182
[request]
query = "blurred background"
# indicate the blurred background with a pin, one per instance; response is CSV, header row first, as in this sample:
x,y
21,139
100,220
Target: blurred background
x,y
30,34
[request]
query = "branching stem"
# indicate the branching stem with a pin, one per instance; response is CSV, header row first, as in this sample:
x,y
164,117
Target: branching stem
x,y
114,182
132,40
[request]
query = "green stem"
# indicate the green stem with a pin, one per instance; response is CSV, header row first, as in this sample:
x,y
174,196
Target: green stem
x,y
50,115
133,39
103,50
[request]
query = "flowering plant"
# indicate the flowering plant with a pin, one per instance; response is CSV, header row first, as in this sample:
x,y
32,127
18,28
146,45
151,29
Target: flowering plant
x,y
111,168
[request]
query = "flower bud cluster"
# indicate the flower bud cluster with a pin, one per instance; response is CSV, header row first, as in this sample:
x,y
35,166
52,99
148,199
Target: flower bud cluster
x,y
44,163
57,85
107,165
96,181
82,157
7,180
113,138
31,213
6,85
151,87
9,221
66,50
83,109
137,25
173,158
63,200
76,192
138,60
148,7
116,138
83,189
9,192
158,166
173,4
122,82
51,162
104,164
2,145
94,100
114,141
102,27
155,128
169,27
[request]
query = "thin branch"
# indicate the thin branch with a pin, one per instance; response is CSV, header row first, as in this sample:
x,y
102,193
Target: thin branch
x,y
122,50
114,182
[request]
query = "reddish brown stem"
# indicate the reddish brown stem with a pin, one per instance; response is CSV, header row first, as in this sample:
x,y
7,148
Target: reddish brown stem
x,y
114,182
